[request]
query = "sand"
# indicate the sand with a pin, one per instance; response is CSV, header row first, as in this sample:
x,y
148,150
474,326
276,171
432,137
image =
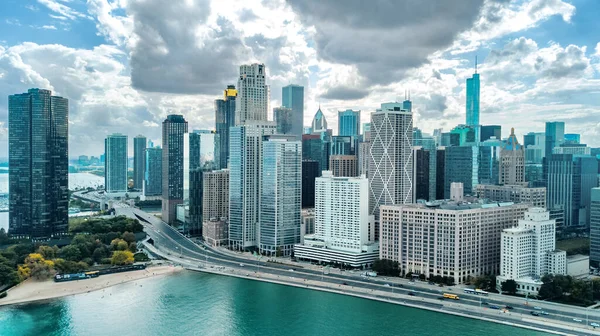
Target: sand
x,y
32,290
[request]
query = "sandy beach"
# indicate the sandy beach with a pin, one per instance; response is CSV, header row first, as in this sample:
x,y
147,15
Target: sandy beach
x,y
32,290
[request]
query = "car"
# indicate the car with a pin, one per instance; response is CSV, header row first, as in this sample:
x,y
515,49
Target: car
x,y
485,303
345,284
494,307
441,298
431,283
594,324
577,320
509,307
537,308
544,313
291,270
387,285
411,294
241,265
534,313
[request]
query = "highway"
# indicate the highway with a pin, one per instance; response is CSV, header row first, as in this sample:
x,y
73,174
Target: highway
x,y
183,250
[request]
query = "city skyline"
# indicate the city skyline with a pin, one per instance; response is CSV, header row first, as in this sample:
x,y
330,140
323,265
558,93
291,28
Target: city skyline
x,y
102,34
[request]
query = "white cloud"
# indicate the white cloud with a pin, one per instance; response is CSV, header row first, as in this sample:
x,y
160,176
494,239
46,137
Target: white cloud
x,y
62,9
48,27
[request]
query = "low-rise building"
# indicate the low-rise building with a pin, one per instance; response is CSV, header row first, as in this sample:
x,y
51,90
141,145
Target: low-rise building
x,y
512,193
215,231
578,265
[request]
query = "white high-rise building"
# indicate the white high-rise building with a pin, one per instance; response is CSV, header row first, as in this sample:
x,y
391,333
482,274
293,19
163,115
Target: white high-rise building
x,y
528,252
252,101
281,195
245,160
341,223
390,157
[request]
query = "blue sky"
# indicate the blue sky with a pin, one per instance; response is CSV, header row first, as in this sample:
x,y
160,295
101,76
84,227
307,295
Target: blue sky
x,y
126,64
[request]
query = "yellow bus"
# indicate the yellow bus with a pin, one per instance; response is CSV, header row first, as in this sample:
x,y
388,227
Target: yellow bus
x,y
450,296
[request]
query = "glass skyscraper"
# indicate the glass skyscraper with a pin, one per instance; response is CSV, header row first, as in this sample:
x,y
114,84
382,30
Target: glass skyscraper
x,y
349,123
293,98
153,173
284,117
38,164
224,119
461,165
115,170
473,103
139,161
173,129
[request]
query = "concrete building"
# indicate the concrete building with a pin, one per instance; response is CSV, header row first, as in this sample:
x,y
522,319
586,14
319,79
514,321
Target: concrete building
x,y
139,161
595,227
281,195
215,231
252,101
307,227
572,148
292,97
38,164
310,171
115,170
153,172
512,166
460,240
343,165
245,159
536,197
349,123
173,129
391,159
215,207
224,119
528,252
341,224
578,266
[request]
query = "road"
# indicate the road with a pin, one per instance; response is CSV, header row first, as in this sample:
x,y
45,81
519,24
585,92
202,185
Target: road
x,y
184,250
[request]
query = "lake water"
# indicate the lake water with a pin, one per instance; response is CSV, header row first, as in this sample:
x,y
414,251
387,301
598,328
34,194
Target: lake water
x,y
76,181
203,304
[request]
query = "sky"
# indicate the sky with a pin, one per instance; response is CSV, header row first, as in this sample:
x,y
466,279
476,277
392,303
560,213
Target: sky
x,y
125,65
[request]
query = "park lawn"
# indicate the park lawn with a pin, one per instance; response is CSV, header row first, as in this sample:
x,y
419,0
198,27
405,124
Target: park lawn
x,y
572,244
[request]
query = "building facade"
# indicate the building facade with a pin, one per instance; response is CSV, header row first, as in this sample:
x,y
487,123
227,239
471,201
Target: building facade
x,y
440,176
595,228
252,102
512,166
284,119
173,130
316,147
139,161
490,131
461,165
281,195
349,123
310,171
115,171
38,171
536,197
472,103
319,123
421,173
343,165
215,207
153,172
224,119
292,97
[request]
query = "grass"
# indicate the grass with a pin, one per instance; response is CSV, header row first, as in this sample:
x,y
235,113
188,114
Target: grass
x,y
572,244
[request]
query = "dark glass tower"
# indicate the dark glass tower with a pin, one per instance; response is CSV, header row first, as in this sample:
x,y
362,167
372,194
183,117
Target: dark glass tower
x,y
174,128
224,119
292,96
38,164
310,171
139,161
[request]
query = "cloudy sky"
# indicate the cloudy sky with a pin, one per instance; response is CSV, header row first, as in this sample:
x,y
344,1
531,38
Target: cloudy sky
x,y
125,64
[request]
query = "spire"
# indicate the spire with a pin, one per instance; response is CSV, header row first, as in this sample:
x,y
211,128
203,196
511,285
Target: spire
x,y
475,63
512,131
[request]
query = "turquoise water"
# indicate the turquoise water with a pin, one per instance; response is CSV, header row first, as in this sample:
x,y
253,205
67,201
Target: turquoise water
x,y
201,304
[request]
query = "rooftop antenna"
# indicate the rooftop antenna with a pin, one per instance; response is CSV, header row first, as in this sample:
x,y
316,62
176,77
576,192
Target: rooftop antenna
x,y
408,94
475,63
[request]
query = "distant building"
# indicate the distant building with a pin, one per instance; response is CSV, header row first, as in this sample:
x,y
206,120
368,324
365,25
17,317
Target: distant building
x,y
572,148
308,223
252,102
472,103
115,171
427,143
173,129
292,96
572,138
310,171
215,207
315,147
512,156
215,231
460,164
536,197
462,240
341,224
284,118
528,252
343,145
555,136
535,147
421,173
440,176
490,131
343,165
466,135
139,161
449,139
319,123
153,172
38,164
595,228
349,123
224,119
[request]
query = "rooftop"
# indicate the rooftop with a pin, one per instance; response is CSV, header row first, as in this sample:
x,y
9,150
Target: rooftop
x,y
470,203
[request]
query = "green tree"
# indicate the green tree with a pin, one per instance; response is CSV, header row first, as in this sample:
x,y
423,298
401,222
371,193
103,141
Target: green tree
x,y
119,244
47,252
100,253
129,237
509,286
140,257
122,258
4,237
70,252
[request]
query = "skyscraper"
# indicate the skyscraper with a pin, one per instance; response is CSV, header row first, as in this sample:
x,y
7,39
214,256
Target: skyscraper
x,y
293,98
555,136
284,117
473,103
202,144
512,156
343,165
281,195
115,172
244,182
489,131
343,145
427,143
440,177
349,123
173,129
139,161
310,171
224,119
319,123
153,173
421,173
391,160
461,166
215,207
252,102
595,228
316,147
38,169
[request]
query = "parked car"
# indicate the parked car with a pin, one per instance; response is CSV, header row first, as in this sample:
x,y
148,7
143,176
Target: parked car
x,y
494,307
534,313
577,320
411,294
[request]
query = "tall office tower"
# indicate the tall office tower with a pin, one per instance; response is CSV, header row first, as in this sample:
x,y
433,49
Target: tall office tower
x,y
391,160
224,119
292,96
316,147
555,136
407,104
512,156
437,136
572,138
535,147
195,199
139,161
440,176
427,143
310,171
341,223
38,171
245,161
448,139
570,181
319,123
488,161
349,123
115,171
342,145
153,173
467,135
473,103
490,131
281,195
366,127
173,131
512,193
447,238
284,117
202,144
215,207
363,157
528,252
343,165
252,102
595,228
421,173
461,166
